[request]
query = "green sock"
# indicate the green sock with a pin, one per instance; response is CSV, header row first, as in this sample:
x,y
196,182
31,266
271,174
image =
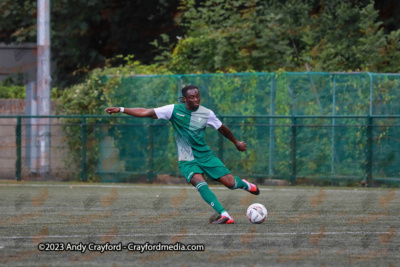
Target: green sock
x,y
240,184
209,197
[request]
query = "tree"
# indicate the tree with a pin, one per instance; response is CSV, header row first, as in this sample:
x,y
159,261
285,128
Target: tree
x,y
222,35
268,35
346,37
84,33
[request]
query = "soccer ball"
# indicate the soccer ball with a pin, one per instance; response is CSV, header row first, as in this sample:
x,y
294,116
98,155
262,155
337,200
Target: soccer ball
x,y
257,213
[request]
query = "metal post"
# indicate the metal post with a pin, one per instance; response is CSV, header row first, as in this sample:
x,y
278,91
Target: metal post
x,y
83,150
370,93
369,135
150,173
18,146
272,128
43,84
368,164
333,124
293,152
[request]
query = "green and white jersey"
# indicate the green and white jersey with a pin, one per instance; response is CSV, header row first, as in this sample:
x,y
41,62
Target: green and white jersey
x,y
189,129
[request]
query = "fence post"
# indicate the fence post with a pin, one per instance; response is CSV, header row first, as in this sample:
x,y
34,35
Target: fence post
x,y
272,128
368,163
221,144
18,146
83,149
293,151
369,135
150,173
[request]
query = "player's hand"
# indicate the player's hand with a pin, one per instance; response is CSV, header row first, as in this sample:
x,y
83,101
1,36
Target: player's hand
x,y
112,110
241,146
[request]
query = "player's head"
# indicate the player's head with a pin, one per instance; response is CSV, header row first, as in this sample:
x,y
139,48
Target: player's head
x,y
191,97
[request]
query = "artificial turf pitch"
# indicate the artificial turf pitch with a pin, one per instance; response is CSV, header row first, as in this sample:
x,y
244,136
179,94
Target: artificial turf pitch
x,y
306,226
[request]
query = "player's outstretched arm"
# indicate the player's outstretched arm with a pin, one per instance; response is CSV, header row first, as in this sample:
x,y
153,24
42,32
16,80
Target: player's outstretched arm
x,y
225,131
136,112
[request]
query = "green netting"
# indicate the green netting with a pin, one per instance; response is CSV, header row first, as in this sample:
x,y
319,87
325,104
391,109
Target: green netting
x,y
328,127
323,148
385,94
386,148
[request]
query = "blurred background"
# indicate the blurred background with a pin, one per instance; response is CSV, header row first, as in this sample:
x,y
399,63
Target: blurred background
x,y
311,86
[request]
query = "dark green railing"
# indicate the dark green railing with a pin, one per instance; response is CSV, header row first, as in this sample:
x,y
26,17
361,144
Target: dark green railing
x,y
294,126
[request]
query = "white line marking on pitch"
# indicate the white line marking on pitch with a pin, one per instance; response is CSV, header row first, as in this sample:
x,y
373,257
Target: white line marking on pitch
x,y
175,187
195,234
120,186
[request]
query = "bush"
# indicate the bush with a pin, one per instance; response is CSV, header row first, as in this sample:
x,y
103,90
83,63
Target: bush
x,y
11,89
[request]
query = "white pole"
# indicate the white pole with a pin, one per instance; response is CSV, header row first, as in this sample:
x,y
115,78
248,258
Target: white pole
x,y
333,124
43,85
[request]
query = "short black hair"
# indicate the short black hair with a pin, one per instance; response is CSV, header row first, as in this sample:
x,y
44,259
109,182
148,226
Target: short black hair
x,y
187,88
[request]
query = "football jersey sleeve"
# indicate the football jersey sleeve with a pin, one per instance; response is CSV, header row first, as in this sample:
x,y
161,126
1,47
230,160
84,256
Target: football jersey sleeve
x,y
164,112
213,121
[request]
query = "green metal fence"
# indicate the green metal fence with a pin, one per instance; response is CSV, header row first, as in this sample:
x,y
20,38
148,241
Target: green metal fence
x,y
327,127
365,148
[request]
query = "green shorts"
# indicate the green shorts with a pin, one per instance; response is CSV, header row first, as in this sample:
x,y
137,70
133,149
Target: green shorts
x,y
210,165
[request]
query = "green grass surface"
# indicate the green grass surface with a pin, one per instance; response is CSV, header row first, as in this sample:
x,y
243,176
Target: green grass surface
x,y
305,226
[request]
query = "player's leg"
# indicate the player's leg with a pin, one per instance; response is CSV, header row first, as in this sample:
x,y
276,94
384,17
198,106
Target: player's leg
x,y
197,180
234,182
215,169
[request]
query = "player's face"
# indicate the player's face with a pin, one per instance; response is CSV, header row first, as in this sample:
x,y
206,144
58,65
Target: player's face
x,y
192,99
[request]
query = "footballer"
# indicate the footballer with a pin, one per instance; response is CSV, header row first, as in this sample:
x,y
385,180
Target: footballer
x,y
189,121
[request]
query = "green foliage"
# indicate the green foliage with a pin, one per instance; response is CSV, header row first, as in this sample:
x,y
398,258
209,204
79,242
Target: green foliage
x,y
91,96
11,89
347,37
17,22
268,35
223,36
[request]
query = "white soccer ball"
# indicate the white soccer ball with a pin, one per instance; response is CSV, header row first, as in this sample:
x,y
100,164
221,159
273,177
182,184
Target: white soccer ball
x,y
257,213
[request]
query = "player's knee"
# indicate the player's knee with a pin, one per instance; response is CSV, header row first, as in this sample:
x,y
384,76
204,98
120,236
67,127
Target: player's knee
x,y
196,178
229,183
227,180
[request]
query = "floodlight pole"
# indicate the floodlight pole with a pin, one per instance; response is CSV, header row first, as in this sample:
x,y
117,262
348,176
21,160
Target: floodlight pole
x,y
43,85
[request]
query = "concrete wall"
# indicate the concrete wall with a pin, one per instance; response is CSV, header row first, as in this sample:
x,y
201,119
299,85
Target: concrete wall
x,y
58,152
18,107
18,58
